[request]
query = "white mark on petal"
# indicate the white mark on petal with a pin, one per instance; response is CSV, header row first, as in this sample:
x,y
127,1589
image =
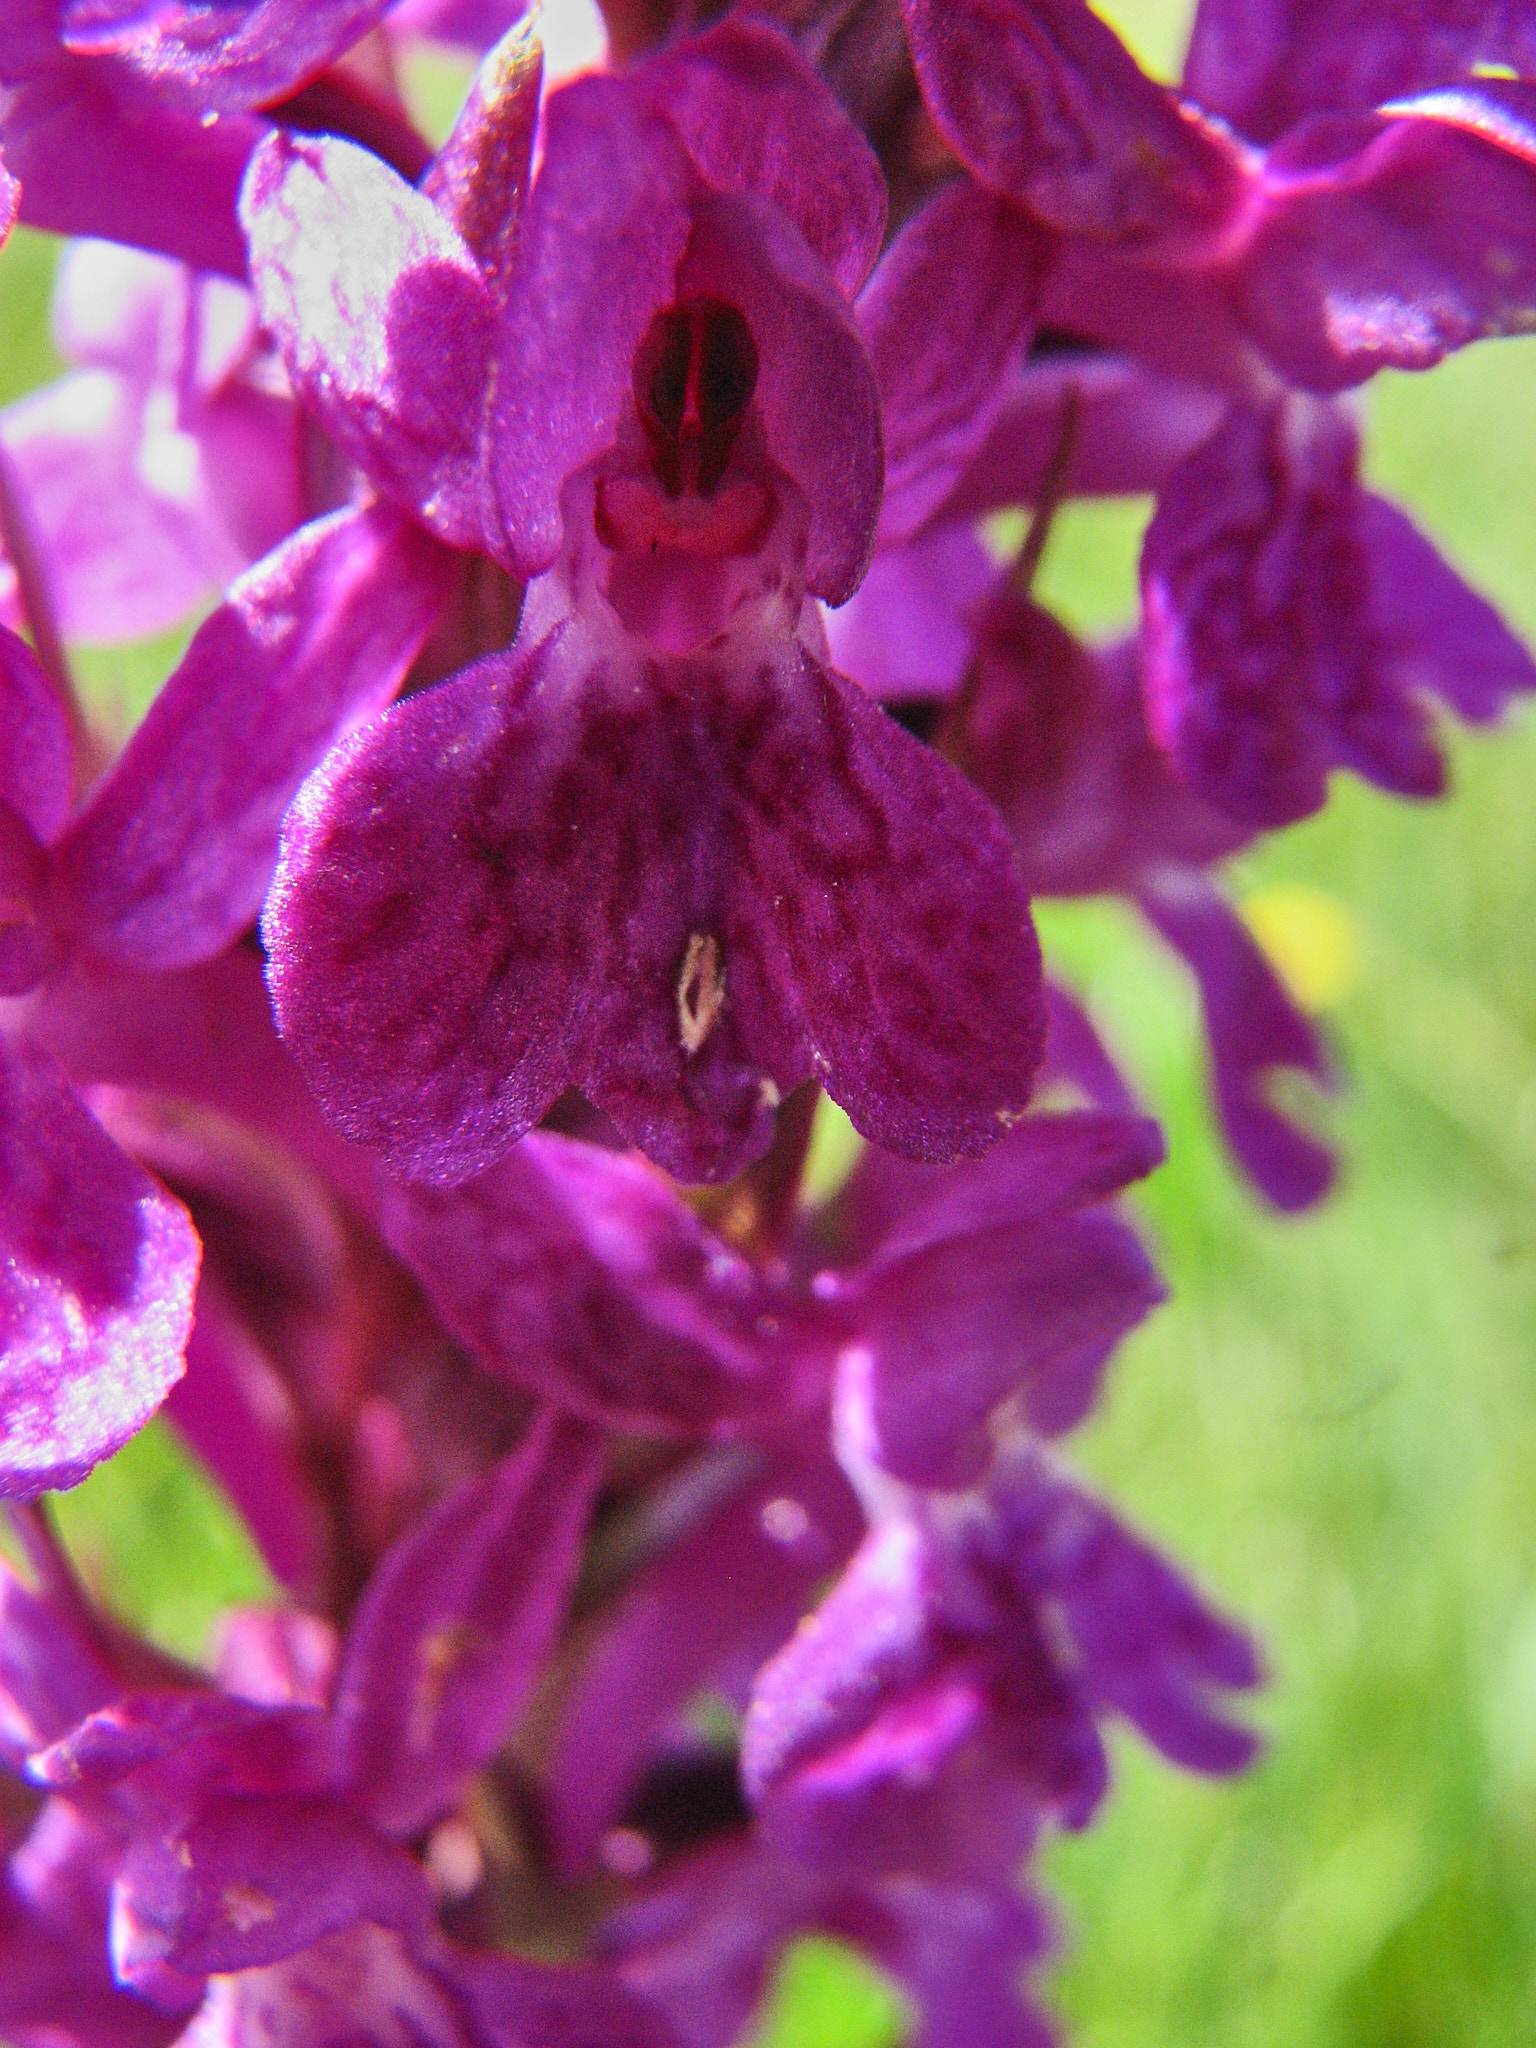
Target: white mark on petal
x,y
700,991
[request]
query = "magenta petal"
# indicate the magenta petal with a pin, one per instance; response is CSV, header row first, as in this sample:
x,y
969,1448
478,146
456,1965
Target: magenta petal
x,y
158,1753
583,1275
1077,1057
1256,1032
49,1678
248,1881
1042,102
1124,428
99,157
231,56
724,878
359,1987
1261,660
814,369
479,178
958,1328
95,1288
1143,1642
756,118
1049,1166
1390,242
948,318
171,858
518,2004
908,630
702,1617
1445,640
55,1976
1263,64
451,1632
872,1640
125,559
603,235
219,1408
37,755
10,200
386,324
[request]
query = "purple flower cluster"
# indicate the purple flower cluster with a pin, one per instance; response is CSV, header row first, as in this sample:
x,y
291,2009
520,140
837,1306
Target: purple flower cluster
x,y
610,736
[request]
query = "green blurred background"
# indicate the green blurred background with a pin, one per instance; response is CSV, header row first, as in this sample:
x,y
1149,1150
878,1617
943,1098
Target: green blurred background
x,y
1333,1422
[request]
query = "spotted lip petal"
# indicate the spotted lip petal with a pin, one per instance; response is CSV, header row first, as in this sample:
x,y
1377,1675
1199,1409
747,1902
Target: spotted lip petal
x,y
1284,633
730,870
96,1291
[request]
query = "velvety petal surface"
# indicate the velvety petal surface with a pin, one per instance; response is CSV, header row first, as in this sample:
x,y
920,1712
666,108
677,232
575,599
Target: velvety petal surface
x,y
1261,661
171,858
479,178
10,200
96,155
1264,64
907,632
386,323
1388,241
605,229
248,1881
581,1274
1042,102
704,1616
1256,1035
228,56
756,118
357,1988
456,1622
37,755
96,1287
731,870
948,318
1145,1644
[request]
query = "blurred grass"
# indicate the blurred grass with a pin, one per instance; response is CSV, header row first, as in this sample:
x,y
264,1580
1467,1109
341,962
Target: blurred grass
x,y
1334,1421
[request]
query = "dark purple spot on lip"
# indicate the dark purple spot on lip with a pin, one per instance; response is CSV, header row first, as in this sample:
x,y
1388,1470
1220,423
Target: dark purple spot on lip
x,y
694,375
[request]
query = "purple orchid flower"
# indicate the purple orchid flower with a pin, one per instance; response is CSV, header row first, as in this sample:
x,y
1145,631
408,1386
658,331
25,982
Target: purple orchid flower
x,y
167,460
732,873
1356,241
904,1748
246,1838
